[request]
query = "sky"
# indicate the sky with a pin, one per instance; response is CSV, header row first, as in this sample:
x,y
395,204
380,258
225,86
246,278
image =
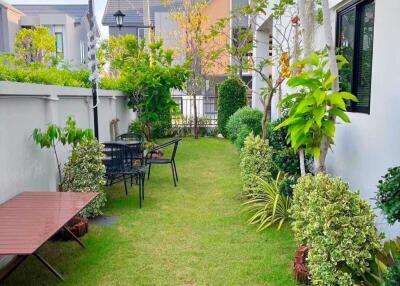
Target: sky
x,y
98,4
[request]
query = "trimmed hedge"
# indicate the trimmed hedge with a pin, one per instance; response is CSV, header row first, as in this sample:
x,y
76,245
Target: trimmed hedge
x,y
243,122
232,95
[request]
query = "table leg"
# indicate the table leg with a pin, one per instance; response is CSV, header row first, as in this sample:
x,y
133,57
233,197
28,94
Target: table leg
x,y
10,268
74,236
48,266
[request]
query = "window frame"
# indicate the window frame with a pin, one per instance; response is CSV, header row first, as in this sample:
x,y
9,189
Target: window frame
x,y
355,5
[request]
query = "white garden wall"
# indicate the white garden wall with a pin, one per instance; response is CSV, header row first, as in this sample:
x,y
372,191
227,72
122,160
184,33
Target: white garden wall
x,y
24,107
369,145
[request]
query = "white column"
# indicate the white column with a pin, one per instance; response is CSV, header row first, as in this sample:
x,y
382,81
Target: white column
x,y
260,53
52,118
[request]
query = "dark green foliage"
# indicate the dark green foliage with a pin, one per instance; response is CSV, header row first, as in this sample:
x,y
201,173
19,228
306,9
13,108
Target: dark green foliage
x,y
388,197
232,95
277,138
242,123
393,276
162,127
285,158
241,137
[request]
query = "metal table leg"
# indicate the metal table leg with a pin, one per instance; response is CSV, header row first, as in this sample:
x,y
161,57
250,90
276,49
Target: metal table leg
x,y
12,266
74,236
48,266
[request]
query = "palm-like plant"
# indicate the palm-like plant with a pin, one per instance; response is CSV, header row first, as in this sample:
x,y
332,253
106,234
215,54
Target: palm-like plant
x,y
270,206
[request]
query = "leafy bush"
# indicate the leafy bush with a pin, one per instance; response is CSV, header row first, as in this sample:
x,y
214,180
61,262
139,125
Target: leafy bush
x,y
232,95
44,75
269,206
388,197
255,163
242,123
337,225
147,74
84,172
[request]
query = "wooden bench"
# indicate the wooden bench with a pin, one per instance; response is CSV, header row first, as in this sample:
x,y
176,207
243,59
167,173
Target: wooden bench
x,y
30,219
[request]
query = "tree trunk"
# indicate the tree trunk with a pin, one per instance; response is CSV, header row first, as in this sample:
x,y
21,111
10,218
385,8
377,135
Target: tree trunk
x,y
319,163
266,116
302,162
307,15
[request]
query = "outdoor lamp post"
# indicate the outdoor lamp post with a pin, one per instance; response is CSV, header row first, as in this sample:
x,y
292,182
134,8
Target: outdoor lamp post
x,y
93,63
119,18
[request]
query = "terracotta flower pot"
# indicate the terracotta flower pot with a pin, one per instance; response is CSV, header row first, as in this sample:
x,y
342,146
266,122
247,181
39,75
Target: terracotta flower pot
x,y
77,225
300,268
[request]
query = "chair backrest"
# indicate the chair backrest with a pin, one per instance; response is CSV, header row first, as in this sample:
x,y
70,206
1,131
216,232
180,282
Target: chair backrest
x,y
174,142
116,157
130,136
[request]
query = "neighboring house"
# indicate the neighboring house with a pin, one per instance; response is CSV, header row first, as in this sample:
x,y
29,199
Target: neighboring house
x,y
9,26
68,23
140,14
368,146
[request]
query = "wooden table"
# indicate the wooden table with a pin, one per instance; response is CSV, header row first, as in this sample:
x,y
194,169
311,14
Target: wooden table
x,y
30,219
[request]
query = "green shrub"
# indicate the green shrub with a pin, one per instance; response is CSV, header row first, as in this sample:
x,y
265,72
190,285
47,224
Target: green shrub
x,y
255,162
388,197
36,73
242,123
232,95
337,225
269,206
84,172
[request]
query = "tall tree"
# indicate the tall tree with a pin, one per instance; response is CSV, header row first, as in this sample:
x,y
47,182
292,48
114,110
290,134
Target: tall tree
x,y
200,46
333,65
243,43
35,45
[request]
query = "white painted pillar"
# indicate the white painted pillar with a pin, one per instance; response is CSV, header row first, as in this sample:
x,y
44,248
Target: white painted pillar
x,y
52,118
260,53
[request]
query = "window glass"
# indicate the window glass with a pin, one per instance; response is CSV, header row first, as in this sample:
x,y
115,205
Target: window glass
x,y
59,42
364,74
355,42
346,47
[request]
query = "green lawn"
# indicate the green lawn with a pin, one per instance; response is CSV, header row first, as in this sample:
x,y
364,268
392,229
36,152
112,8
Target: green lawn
x,y
194,234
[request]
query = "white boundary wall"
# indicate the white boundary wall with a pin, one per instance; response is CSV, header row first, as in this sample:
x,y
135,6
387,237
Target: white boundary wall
x,y
369,145
24,166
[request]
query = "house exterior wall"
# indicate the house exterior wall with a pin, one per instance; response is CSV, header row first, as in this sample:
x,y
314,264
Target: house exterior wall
x,y
216,10
9,26
368,146
74,32
23,107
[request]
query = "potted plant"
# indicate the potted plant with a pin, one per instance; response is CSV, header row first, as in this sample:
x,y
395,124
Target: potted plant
x,y
55,135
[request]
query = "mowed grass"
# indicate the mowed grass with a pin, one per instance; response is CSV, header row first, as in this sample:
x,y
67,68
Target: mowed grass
x,y
194,234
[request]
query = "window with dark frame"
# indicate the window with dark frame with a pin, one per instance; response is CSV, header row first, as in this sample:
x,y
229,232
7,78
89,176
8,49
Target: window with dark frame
x,y
354,40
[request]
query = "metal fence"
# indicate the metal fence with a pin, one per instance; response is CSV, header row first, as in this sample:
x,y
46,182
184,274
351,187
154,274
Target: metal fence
x,y
207,111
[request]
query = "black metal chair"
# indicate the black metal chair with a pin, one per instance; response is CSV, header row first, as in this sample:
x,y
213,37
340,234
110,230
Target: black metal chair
x,y
130,136
119,163
150,160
